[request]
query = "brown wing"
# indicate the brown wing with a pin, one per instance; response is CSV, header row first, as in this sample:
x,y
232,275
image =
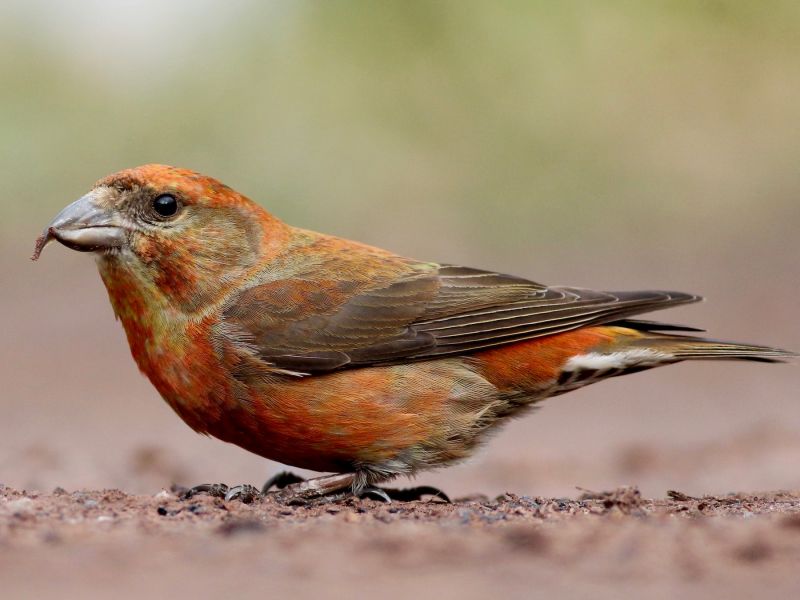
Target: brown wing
x,y
431,311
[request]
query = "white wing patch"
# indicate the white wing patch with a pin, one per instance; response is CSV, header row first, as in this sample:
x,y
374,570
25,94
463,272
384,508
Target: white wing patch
x,y
595,361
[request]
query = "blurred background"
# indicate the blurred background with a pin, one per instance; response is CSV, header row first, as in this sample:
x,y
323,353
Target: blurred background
x,y
612,145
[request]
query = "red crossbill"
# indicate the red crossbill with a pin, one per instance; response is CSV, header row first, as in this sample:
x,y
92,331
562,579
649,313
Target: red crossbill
x,y
335,356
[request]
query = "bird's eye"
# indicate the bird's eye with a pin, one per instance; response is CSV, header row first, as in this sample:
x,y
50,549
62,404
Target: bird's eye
x,y
165,205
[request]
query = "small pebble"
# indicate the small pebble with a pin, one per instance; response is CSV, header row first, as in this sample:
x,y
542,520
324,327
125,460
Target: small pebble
x,y
20,505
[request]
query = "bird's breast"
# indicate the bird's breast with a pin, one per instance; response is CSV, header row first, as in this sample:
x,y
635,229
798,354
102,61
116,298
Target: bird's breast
x,y
171,349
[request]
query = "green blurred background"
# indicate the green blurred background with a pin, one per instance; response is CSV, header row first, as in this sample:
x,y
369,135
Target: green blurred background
x,y
614,145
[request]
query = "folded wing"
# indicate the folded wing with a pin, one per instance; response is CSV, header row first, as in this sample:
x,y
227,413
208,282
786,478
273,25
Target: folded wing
x,y
431,311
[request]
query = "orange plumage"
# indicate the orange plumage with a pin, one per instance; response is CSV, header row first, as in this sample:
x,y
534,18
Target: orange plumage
x,y
335,356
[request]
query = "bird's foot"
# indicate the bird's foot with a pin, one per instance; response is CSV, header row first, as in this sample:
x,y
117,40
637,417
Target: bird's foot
x,y
295,491
415,493
244,493
217,490
374,492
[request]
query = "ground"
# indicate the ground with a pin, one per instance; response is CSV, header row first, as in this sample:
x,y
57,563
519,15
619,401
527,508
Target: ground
x,y
112,544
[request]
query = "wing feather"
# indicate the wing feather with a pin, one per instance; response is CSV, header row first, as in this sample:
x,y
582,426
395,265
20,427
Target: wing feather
x,y
431,311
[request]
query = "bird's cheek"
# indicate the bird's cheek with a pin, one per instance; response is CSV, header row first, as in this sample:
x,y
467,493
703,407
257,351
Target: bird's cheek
x,y
161,255
145,248
163,262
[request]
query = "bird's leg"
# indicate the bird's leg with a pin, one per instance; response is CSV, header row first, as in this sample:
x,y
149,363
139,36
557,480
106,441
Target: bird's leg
x,y
327,486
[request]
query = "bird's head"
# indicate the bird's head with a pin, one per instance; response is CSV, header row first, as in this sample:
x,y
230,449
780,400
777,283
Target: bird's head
x,y
178,233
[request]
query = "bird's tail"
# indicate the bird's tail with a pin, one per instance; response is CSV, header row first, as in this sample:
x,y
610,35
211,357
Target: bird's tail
x,y
680,347
630,348
560,363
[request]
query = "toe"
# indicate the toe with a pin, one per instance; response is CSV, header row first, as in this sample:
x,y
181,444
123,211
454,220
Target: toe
x,y
417,493
375,493
218,490
280,481
244,493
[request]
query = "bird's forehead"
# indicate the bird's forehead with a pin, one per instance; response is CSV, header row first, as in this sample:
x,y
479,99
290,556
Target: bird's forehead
x,y
193,186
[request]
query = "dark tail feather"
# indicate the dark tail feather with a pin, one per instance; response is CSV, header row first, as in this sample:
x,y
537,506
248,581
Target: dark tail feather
x,y
643,325
690,348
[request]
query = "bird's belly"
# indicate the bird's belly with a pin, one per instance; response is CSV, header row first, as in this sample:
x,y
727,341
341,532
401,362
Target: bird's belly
x,y
401,418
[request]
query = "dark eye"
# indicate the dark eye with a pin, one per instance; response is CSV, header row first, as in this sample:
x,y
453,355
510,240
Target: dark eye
x,y
165,205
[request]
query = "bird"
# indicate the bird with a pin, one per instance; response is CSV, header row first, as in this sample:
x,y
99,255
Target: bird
x,y
335,356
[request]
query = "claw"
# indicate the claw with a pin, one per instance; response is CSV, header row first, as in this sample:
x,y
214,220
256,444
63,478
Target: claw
x,y
280,481
417,493
376,493
245,493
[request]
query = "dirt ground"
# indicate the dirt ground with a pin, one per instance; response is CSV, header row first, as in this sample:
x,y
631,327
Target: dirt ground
x,y
93,544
